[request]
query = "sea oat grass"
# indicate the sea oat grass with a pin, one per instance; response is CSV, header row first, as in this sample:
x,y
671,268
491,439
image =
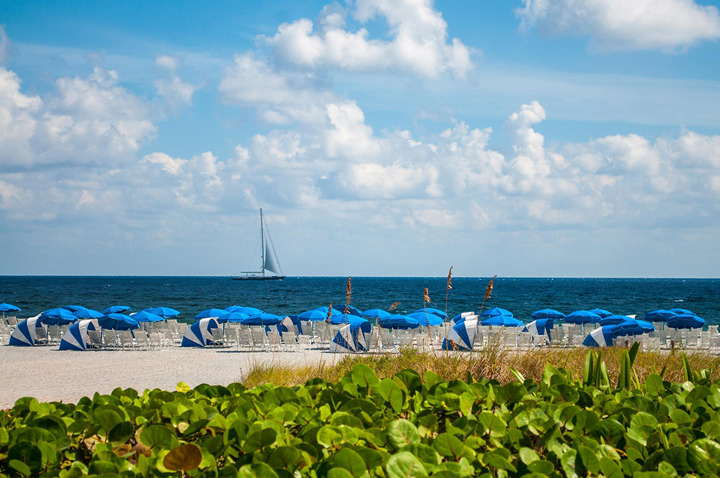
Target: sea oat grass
x,y
492,363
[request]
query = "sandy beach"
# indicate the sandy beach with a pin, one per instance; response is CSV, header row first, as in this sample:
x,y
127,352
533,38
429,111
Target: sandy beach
x,y
49,374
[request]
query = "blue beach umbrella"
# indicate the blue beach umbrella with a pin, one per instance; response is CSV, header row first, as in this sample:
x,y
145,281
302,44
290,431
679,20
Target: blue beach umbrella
x,y
682,311
601,337
117,322
24,334
659,315
496,312
57,317
164,312
502,321
347,319
262,319
398,322
9,308
461,336
145,316
686,321
233,317
614,320
87,314
582,317
463,316
325,309
376,314
76,337
425,319
351,338
210,313
116,309
200,333
547,314
539,329
72,308
601,312
314,315
437,312
350,309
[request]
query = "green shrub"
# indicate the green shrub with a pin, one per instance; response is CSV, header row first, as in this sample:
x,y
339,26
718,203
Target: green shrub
x,y
563,424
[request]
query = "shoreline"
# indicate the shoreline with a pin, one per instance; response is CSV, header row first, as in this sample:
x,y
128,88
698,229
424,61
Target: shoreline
x,y
49,374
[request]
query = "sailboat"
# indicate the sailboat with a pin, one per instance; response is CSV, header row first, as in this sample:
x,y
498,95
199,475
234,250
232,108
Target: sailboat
x,y
270,265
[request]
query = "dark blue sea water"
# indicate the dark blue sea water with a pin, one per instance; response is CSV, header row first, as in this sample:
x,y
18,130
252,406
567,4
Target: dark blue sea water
x,y
522,296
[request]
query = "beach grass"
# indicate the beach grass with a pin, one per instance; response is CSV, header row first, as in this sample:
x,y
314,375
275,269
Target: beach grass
x,y
494,362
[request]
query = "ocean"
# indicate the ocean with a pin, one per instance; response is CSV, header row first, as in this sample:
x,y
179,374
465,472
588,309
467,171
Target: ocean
x,y
522,296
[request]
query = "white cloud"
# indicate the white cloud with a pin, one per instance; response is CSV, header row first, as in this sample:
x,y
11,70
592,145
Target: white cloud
x,y
176,92
418,40
668,25
4,45
84,120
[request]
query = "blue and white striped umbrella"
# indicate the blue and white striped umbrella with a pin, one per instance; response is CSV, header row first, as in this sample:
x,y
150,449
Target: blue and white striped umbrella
x,y
76,337
24,333
460,336
351,338
539,330
199,334
601,337
463,316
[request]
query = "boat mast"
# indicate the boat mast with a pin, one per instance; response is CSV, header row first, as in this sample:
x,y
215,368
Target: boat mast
x,y
262,243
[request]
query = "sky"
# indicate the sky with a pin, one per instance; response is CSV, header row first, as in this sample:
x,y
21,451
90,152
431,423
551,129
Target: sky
x,y
550,138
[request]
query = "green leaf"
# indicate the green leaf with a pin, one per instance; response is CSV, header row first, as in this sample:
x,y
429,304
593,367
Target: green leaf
x,y
350,461
402,432
363,376
20,467
259,440
704,455
528,455
405,465
588,369
686,368
586,461
654,385
339,473
156,436
285,457
27,453
121,432
448,445
392,394
610,468
541,466
495,460
183,458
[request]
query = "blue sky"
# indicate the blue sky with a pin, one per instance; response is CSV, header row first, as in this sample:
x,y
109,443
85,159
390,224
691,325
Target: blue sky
x,y
528,138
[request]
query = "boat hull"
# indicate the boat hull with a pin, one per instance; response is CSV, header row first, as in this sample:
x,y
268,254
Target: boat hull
x,y
258,278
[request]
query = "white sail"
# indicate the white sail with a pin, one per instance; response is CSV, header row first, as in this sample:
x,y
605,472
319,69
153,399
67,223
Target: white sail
x,y
270,263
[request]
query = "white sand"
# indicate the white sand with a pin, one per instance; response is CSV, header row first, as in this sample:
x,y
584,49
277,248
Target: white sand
x,y
49,374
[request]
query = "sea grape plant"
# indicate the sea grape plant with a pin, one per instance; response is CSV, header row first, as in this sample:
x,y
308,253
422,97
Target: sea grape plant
x,y
364,426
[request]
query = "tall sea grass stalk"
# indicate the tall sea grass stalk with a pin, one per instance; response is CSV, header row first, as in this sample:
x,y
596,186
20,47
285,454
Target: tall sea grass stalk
x,y
348,295
448,286
426,300
488,293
